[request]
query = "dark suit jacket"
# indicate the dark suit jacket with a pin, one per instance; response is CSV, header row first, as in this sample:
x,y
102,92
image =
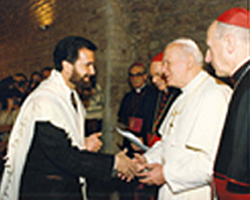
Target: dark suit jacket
x,y
53,166
140,106
233,159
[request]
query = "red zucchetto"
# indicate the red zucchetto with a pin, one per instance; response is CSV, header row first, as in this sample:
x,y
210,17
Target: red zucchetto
x,y
158,57
237,17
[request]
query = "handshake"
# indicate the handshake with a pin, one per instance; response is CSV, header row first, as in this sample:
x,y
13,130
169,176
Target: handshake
x,y
126,167
150,174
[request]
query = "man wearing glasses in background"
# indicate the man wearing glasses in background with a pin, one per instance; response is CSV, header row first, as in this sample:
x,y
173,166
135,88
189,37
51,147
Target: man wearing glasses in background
x,y
136,113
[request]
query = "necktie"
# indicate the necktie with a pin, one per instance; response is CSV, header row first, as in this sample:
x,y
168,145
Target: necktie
x,y
73,100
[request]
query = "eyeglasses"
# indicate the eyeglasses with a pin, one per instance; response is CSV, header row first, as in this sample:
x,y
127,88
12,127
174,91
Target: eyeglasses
x,y
136,75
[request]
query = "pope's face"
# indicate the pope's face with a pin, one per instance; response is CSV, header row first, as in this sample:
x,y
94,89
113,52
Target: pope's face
x,y
157,75
174,66
216,51
83,68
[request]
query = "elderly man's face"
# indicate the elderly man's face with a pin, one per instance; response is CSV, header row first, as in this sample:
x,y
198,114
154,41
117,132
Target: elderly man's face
x,y
216,51
157,75
175,66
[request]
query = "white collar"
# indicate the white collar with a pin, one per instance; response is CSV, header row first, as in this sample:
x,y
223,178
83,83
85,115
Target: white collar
x,y
138,90
193,84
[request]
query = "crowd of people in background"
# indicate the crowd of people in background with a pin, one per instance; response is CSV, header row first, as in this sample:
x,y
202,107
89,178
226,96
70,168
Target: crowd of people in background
x,y
14,89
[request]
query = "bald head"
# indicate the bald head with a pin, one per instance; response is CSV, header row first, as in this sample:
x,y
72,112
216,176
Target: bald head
x,y
188,47
228,41
182,61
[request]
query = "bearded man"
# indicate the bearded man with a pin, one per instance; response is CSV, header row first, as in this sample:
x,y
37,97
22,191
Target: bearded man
x,y
48,154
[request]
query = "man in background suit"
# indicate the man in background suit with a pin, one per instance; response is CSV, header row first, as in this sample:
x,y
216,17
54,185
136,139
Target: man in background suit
x,y
136,113
137,107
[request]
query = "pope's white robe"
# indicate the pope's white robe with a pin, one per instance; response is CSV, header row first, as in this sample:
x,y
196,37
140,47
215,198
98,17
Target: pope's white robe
x,y
50,102
190,135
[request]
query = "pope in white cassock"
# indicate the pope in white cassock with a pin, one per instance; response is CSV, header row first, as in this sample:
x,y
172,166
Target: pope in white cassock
x,y
182,162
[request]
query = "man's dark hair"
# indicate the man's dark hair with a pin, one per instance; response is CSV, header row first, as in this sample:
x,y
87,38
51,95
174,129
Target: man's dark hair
x,y
46,69
22,75
33,74
67,49
138,64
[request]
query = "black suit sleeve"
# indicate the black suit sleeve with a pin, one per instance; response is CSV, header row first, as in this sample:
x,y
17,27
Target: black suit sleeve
x,y
56,147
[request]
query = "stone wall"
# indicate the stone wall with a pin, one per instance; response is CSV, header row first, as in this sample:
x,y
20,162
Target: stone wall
x,y
124,30
141,29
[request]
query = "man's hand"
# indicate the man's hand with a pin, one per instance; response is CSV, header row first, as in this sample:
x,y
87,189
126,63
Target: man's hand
x,y
140,161
93,143
153,175
125,166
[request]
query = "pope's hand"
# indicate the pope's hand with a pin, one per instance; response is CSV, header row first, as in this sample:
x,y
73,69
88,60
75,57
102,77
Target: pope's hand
x,y
124,165
153,175
93,143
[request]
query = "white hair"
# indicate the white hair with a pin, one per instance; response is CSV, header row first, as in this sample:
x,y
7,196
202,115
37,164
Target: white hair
x,y
243,34
190,47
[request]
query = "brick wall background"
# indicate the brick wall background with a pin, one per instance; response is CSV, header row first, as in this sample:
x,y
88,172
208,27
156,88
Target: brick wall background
x,y
124,30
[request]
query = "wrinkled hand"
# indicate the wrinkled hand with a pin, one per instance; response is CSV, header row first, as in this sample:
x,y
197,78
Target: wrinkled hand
x,y
125,166
93,143
153,175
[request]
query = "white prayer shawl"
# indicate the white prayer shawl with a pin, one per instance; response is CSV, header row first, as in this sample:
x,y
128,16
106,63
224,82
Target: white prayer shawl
x,y
190,135
49,102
